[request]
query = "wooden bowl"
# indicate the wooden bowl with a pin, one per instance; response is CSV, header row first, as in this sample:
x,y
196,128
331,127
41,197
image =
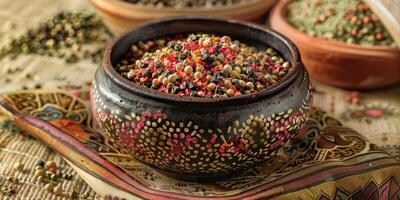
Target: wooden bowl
x,y
194,138
340,64
120,16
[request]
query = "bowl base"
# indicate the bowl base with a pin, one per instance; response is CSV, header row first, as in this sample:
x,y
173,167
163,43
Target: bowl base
x,y
198,178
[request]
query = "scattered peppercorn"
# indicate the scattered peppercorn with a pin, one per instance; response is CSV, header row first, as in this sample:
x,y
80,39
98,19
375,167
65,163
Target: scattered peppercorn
x,y
7,190
40,179
349,21
39,172
50,163
66,30
40,163
18,166
57,190
73,194
49,187
202,65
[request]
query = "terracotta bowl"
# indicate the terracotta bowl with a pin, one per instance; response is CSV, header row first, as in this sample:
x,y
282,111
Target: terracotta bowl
x,y
195,138
340,64
120,16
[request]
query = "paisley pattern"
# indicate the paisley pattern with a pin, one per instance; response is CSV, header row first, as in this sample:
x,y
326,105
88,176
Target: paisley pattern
x,y
389,189
325,161
50,106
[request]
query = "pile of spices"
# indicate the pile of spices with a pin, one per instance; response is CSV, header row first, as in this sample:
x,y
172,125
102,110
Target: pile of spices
x,y
349,21
186,3
50,171
7,191
46,175
62,36
202,65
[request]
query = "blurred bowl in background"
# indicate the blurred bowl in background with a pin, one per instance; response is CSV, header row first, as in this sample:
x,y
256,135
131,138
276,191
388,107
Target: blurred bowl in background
x,y
120,16
340,64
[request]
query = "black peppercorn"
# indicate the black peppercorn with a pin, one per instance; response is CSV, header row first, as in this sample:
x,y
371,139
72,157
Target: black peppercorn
x,y
158,64
192,86
175,90
143,65
40,163
178,47
171,44
182,57
219,90
182,86
193,94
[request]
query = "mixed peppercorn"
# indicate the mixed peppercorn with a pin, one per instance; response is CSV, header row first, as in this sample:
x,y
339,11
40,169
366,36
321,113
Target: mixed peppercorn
x,y
349,21
202,65
186,3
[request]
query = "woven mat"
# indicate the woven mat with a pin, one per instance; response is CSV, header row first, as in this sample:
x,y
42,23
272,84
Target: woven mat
x,y
15,18
377,116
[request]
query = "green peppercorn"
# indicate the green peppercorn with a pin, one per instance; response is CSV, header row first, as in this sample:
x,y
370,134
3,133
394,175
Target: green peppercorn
x,y
172,78
242,83
227,68
227,83
211,86
198,75
188,70
259,87
249,85
179,67
271,52
286,64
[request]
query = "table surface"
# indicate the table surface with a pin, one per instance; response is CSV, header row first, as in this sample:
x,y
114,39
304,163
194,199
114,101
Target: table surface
x,y
377,116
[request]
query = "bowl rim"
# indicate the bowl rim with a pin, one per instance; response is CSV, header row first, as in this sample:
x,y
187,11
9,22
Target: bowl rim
x,y
278,13
237,6
143,91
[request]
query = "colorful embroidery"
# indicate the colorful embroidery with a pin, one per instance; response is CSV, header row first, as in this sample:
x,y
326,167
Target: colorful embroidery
x,y
369,112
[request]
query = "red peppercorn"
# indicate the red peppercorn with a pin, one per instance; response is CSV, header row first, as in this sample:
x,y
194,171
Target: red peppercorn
x,y
52,169
316,21
379,36
374,18
354,19
366,20
354,32
348,11
318,3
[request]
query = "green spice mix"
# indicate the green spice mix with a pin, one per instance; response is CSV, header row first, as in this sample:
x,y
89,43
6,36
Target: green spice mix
x,y
59,35
202,65
349,21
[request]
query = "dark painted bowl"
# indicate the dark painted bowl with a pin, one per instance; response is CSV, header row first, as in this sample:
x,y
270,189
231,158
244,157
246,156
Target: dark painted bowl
x,y
195,138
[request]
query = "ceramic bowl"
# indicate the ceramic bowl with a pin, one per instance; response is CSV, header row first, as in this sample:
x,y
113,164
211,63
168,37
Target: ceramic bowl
x,y
340,64
195,138
120,16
